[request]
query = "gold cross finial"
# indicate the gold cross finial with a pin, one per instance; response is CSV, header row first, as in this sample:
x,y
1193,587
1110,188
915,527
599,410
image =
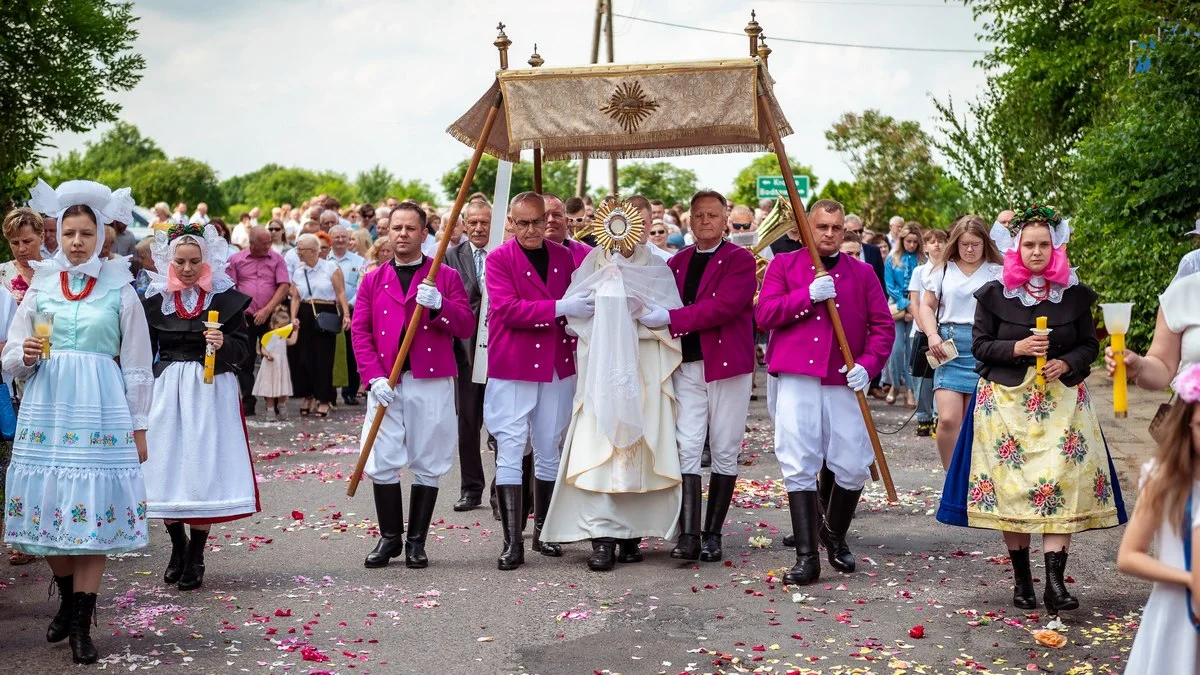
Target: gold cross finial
x,y
753,30
536,60
502,43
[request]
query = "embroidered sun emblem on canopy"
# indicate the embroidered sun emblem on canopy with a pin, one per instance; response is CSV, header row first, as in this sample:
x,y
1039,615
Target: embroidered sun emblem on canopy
x,y
629,106
617,225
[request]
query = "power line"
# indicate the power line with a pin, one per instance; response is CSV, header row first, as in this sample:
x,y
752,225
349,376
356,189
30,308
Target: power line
x,y
840,3
773,38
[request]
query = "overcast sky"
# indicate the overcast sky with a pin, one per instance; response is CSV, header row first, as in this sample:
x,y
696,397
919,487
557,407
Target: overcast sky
x,y
346,84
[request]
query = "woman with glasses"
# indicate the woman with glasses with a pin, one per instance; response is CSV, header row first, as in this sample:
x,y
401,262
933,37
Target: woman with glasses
x,y
278,231
970,260
897,272
317,288
658,236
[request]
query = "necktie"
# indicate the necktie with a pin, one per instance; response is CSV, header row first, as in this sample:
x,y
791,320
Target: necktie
x,y
479,264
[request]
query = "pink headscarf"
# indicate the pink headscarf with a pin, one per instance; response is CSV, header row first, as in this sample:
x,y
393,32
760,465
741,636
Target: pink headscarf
x,y
175,284
1016,274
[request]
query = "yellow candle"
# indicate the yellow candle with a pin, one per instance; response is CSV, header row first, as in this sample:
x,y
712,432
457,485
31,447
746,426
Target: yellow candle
x,y
210,354
1120,402
1041,360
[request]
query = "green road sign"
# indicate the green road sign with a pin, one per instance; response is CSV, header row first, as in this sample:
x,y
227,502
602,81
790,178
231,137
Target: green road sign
x,y
770,187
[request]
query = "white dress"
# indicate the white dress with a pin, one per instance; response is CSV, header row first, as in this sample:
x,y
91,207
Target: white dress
x,y
1166,641
1181,310
274,377
74,486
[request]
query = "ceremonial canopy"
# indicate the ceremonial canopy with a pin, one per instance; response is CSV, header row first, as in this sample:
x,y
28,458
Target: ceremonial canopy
x,y
647,110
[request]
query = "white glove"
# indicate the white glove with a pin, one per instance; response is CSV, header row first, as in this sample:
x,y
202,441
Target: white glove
x,y
383,393
657,317
857,379
576,306
822,289
429,297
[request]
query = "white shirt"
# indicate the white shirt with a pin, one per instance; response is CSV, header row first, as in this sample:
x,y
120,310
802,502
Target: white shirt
x,y
240,236
320,278
665,255
916,284
1188,265
1180,305
200,219
430,245
8,309
291,259
957,290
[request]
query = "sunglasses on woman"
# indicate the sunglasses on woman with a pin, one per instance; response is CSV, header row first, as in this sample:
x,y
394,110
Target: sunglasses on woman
x,y
655,233
741,226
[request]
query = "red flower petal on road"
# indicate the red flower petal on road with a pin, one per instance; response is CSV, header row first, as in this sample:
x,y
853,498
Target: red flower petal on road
x,y
297,515
916,632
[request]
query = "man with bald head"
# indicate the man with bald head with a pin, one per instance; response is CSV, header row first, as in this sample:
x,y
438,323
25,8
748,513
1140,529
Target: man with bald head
x,y
260,273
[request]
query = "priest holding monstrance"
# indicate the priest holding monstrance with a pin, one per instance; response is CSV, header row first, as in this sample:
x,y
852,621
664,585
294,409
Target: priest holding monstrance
x,y
619,478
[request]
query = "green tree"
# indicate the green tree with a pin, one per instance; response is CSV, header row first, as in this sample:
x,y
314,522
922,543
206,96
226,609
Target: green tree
x,y
61,61
745,185
118,149
234,187
1139,180
335,185
176,180
416,190
890,159
660,180
374,183
281,185
557,178
845,192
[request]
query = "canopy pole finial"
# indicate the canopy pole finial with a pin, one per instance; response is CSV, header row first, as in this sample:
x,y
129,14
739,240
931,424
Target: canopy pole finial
x,y
753,30
763,50
502,44
536,59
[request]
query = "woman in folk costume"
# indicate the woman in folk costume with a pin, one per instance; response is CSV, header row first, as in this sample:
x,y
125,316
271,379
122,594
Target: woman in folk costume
x,y
75,490
1031,458
199,471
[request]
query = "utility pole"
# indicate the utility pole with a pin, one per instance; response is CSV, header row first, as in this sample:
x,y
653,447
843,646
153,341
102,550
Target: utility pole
x,y
581,179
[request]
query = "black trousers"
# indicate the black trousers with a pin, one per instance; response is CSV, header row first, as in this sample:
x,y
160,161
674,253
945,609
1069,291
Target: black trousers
x,y
470,422
245,374
311,358
352,379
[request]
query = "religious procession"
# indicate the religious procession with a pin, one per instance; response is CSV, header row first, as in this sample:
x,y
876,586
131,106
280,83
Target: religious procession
x,y
646,427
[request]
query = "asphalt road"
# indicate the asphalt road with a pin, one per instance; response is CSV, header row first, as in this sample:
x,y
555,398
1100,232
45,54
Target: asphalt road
x,y
286,591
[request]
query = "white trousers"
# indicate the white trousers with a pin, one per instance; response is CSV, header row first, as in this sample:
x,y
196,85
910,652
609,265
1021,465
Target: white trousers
x,y
518,412
815,423
419,430
716,409
772,395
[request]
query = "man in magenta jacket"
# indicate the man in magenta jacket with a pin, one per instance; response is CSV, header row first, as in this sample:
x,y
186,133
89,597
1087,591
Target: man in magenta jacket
x,y
817,418
716,281
419,429
531,366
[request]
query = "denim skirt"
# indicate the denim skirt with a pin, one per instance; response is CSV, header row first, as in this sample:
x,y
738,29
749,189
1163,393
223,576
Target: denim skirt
x,y
957,375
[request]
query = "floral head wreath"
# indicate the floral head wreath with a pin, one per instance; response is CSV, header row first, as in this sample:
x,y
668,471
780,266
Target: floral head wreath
x,y
213,248
184,229
1008,238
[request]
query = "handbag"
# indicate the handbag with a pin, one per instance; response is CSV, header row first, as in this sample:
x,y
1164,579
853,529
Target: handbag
x,y
1159,416
8,414
326,322
919,363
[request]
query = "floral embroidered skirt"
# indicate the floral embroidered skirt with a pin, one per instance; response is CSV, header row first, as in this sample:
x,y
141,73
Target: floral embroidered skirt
x,y
1034,460
74,485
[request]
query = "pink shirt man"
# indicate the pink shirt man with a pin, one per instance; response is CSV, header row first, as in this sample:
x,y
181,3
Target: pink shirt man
x,y
258,277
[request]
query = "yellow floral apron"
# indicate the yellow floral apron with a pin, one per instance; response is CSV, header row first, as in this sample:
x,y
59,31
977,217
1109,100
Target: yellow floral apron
x,y
1038,461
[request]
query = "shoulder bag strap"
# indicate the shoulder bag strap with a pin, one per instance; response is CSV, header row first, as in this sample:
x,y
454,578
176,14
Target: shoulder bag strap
x,y
1187,557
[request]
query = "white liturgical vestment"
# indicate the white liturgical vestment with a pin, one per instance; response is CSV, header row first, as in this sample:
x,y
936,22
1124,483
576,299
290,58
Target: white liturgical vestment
x,y
619,473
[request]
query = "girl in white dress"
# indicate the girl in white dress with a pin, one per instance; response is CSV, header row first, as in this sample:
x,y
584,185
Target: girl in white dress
x,y
1167,642
75,491
274,380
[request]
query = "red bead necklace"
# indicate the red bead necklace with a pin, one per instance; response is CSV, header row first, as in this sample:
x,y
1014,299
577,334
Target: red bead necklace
x,y
1037,293
65,280
183,313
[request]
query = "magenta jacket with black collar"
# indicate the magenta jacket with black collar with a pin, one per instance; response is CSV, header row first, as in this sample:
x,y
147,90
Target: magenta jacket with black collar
x,y
526,341
381,314
723,313
802,340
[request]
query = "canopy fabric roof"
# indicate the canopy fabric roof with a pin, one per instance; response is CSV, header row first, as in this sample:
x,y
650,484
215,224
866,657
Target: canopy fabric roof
x,y
646,110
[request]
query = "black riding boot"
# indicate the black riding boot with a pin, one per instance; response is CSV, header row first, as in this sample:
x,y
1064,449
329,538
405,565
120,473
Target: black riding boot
x,y
193,562
803,507
603,556
389,512
838,514
527,479
628,550
543,490
825,482
512,514
720,494
179,544
1057,596
688,546
82,649
420,512
1024,597
60,625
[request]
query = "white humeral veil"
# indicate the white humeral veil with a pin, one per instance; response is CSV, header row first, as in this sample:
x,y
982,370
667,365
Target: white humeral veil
x,y
619,474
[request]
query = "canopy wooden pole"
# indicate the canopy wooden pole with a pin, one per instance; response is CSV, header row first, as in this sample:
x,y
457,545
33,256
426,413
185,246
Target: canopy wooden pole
x,y
764,106
535,61
414,322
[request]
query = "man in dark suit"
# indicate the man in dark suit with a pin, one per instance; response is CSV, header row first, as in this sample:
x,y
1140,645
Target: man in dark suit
x,y
468,259
870,254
